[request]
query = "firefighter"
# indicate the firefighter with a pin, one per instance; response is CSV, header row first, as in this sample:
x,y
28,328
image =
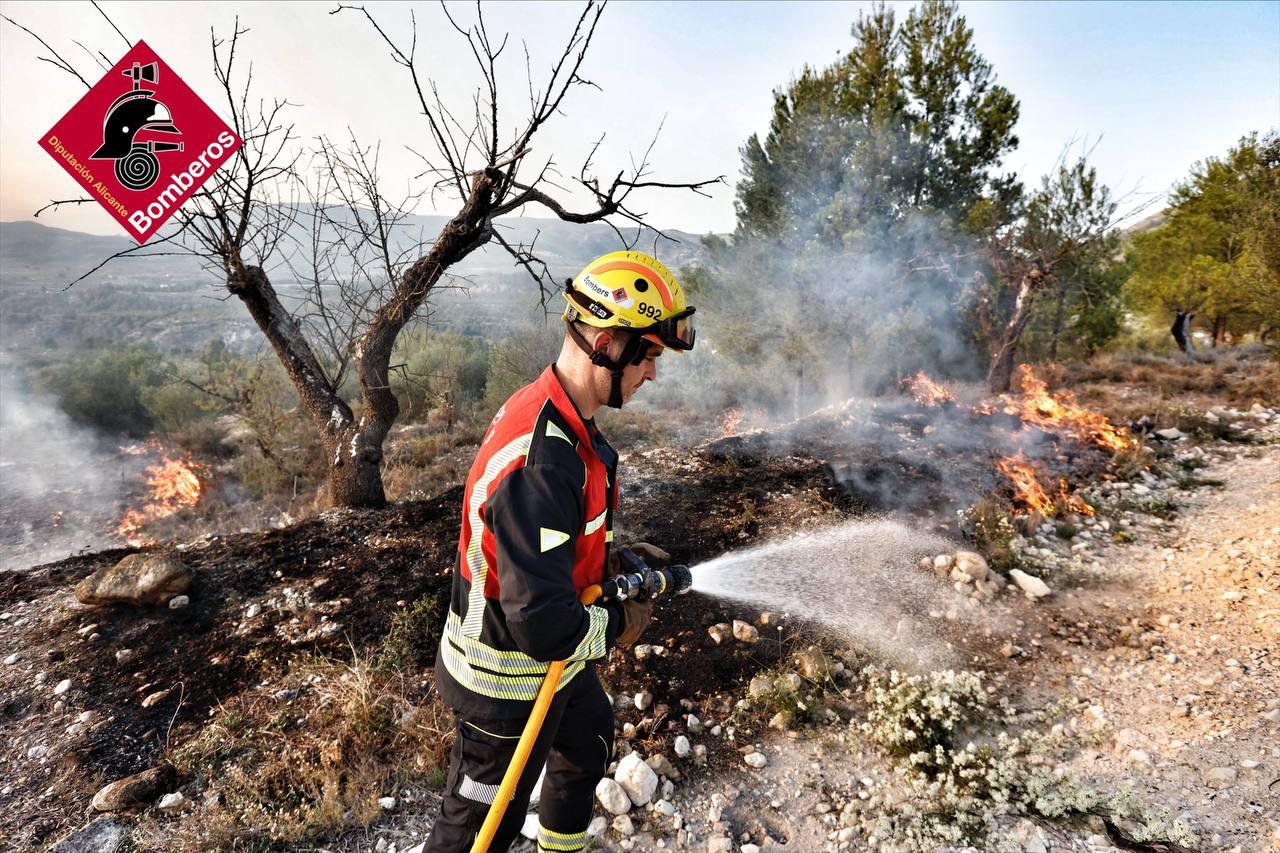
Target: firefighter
x,y
537,529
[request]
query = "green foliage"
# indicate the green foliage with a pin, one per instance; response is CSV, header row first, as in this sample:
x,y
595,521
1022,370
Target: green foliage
x,y
1216,255
108,389
987,526
517,359
412,638
442,373
962,766
909,119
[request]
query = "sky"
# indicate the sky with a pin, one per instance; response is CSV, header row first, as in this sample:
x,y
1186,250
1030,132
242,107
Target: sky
x,y
1153,87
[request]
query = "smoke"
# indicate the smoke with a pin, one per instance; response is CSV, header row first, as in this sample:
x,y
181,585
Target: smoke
x,y
60,490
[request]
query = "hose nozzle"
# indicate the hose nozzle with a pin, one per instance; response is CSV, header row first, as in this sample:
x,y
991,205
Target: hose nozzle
x,y
643,583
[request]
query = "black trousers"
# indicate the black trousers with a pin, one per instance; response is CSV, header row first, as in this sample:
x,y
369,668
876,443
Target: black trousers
x,y
575,743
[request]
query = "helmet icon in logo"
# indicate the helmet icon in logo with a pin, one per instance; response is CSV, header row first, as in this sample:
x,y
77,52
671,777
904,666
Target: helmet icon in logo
x,y
133,112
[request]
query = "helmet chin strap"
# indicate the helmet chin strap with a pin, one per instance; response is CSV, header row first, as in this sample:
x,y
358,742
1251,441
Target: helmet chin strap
x,y
633,352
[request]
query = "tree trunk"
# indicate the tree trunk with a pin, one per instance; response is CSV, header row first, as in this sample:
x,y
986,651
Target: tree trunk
x,y
1000,373
1219,331
1181,331
354,460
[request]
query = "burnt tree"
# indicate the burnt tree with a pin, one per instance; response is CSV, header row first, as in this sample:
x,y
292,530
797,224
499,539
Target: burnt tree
x,y
245,218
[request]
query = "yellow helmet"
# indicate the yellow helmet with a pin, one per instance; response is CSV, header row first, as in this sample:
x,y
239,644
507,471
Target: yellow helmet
x,y
633,291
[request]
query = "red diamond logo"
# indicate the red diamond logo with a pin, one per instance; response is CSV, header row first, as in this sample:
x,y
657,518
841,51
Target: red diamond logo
x,y
140,142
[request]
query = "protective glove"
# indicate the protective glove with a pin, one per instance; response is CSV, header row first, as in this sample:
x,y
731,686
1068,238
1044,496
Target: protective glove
x,y
653,556
636,616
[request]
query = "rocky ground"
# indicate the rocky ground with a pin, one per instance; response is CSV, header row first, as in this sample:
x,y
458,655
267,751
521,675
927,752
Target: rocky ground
x,y
1160,622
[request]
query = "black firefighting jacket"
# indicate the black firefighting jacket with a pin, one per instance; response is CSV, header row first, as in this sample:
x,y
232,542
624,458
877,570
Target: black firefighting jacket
x,y
537,523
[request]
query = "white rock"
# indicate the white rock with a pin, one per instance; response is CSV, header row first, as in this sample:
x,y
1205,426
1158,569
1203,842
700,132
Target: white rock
x,y
745,632
664,807
612,796
1029,584
720,844
755,759
387,803
172,802
623,826
76,729
759,686
124,655
598,825
693,724
179,601
720,632
972,564
750,848
682,747
37,750
252,610
637,779
12,659
62,687
643,699
530,828
1221,776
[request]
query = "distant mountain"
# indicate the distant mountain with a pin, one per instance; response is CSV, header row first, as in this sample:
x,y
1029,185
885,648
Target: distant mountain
x,y
32,253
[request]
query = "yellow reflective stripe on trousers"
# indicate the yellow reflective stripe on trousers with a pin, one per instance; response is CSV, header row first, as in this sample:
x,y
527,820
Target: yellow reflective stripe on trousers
x,y
560,842
475,557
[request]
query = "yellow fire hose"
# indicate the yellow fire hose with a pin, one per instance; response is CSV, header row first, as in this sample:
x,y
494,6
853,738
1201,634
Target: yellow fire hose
x,y
528,737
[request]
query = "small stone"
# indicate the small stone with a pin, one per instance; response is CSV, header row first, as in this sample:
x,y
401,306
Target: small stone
x,y
636,778
720,632
1029,584
623,826
756,759
682,747
664,807
101,835
12,659
140,789
778,721
813,665
612,797
387,803
62,687
643,700
76,729
720,844
252,611
157,697
846,835
529,829
179,601
693,724
1170,434
759,686
663,766
124,655
745,632
172,802
972,564
598,825
1272,716
1219,777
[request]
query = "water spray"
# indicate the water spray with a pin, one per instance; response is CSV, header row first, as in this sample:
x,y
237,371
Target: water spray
x,y
638,582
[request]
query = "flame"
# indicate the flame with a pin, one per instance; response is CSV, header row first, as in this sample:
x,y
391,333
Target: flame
x,y
1026,484
175,484
732,418
1031,493
1062,412
926,391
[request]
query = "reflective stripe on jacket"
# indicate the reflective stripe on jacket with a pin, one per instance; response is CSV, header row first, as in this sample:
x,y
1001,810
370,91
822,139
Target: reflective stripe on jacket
x,y
537,520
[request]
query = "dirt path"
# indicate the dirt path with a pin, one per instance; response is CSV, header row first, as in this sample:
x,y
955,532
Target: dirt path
x,y
1192,704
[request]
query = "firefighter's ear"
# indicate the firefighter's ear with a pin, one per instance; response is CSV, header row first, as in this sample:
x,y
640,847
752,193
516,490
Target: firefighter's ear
x,y
601,341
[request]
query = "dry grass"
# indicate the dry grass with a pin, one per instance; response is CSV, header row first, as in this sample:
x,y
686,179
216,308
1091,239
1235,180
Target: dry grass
x,y
1131,384
308,757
